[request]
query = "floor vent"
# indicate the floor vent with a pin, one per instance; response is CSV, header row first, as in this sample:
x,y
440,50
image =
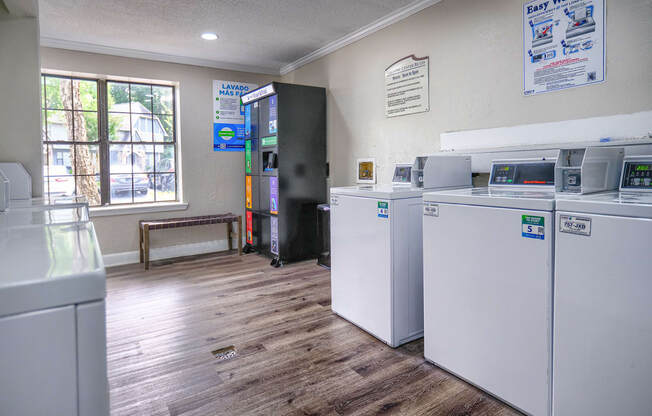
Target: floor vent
x,y
225,353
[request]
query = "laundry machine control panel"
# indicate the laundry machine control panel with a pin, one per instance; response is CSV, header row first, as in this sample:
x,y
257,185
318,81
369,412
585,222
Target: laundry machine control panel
x,y
523,173
637,175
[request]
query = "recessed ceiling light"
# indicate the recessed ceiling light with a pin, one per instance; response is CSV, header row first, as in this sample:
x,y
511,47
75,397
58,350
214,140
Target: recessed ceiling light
x,y
208,36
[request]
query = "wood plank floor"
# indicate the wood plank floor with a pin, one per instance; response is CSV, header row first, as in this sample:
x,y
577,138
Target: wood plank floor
x,y
293,355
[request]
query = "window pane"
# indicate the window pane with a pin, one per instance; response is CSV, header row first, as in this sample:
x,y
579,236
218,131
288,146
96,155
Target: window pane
x,y
120,158
163,102
164,129
58,93
85,126
118,96
84,94
142,127
88,159
121,191
43,132
165,187
42,92
165,158
61,159
60,185
46,160
46,167
138,115
119,127
143,187
143,158
141,98
89,186
46,183
57,124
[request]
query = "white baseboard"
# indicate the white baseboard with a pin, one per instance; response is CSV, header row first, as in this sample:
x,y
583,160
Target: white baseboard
x,y
159,253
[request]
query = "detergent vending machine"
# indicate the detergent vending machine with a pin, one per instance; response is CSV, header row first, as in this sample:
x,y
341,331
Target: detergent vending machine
x,y
285,170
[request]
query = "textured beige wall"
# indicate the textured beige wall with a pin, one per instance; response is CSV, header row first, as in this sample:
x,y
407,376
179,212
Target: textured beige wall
x,y
20,119
213,182
475,50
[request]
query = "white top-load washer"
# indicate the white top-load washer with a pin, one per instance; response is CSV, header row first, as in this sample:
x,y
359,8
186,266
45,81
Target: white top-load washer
x,y
52,314
488,270
602,310
376,253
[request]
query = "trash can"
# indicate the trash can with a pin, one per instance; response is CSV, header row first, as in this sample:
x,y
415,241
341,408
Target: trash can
x,y
324,233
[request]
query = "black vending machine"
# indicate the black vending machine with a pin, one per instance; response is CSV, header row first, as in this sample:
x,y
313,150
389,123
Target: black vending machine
x,y
285,170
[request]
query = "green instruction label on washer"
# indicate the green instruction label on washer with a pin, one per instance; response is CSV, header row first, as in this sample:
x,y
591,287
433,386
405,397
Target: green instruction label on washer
x,y
383,209
532,227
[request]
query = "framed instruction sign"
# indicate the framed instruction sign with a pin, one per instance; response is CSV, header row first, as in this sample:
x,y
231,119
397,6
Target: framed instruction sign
x,y
229,115
407,86
563,44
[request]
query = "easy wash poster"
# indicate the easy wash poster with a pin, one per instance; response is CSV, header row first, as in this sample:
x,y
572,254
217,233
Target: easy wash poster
x,y
563,44
229,115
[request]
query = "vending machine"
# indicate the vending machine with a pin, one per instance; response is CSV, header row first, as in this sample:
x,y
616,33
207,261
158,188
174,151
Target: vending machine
x,y
285,170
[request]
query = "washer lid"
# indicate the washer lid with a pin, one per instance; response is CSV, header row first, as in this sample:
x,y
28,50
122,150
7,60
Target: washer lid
x,y
63,201
626,204
44,267
379,191
492,197
42,215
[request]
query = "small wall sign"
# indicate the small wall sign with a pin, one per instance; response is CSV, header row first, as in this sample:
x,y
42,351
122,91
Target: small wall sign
x,y
407,89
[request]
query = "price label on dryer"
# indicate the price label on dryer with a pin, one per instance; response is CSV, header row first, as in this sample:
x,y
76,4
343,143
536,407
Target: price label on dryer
x,y
575,225
532,227
430,209
383,209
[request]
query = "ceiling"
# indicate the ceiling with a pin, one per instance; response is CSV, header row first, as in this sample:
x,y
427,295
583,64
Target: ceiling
x,y
255,35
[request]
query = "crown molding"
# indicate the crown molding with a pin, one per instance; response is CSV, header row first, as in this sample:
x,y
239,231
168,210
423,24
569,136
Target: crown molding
x,y
329,48
361,33
152,56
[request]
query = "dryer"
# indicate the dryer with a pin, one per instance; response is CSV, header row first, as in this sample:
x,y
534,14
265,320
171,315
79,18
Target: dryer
x,y
602,313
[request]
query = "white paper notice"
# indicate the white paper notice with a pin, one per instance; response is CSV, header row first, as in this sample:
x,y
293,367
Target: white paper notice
x,y
564,44
406,87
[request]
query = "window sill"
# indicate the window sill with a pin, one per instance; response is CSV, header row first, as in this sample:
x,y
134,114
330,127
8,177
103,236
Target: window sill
x,y
110,211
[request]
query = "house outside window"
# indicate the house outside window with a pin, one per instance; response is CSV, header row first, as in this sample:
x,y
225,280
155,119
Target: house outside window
x,y
111,141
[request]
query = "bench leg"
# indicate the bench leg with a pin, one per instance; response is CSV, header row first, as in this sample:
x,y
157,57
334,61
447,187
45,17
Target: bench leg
x,y
146,246
140,243
239,235
229,230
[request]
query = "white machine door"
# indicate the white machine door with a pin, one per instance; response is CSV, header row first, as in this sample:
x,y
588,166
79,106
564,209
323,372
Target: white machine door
x,y
603,317
488,299
38,366
361,263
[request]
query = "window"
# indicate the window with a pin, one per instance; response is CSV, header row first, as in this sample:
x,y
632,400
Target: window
x,y
111,141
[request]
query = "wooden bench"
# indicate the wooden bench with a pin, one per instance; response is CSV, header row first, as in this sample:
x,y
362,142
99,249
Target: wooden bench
x,y
145,226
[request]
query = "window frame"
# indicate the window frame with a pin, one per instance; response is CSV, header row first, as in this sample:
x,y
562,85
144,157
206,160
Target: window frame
x,y
104,143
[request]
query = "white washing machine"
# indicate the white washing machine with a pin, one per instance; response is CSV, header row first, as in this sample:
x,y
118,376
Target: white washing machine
x,y
376,249
602,310
488,270
52,318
